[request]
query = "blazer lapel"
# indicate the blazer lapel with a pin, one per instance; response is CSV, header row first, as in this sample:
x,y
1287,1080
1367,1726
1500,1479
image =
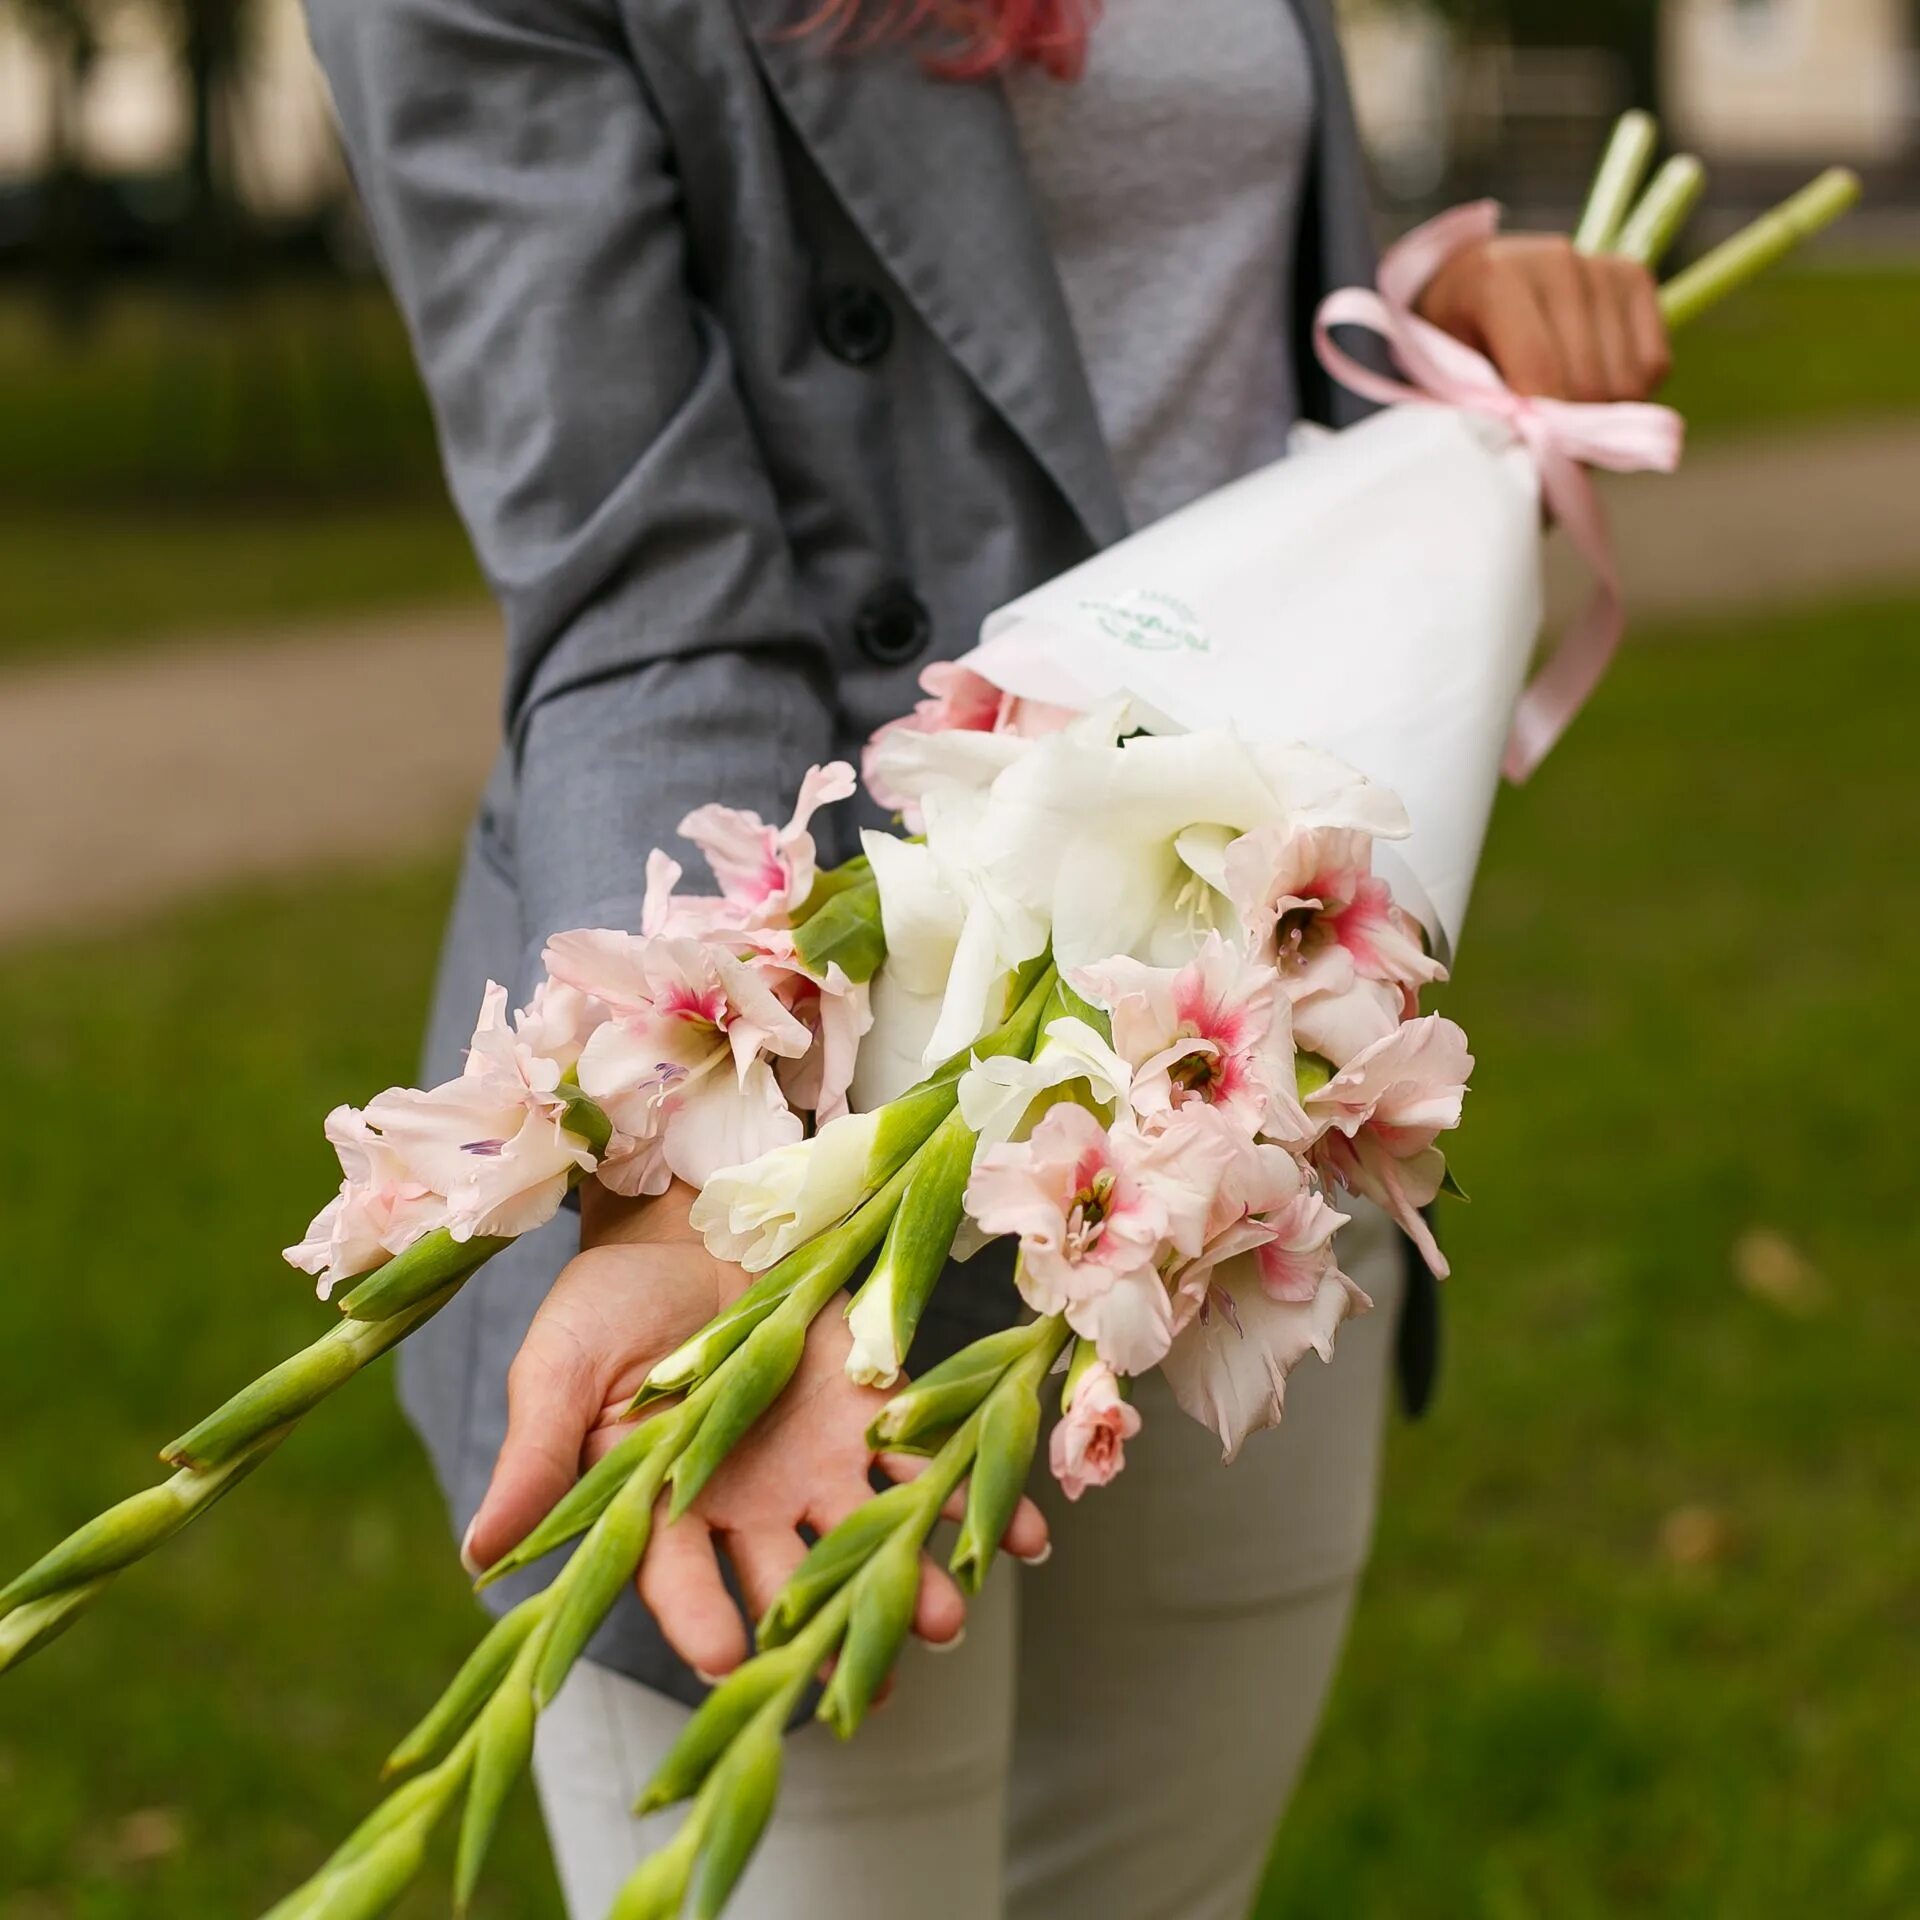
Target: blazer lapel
x,y
931,170
1336,222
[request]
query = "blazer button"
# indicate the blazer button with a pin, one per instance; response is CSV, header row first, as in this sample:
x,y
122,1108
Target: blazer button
x,y
856,324
893,625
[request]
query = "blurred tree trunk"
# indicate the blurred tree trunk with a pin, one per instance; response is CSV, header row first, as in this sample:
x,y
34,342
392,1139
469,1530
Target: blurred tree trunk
x,y
66,33
212,51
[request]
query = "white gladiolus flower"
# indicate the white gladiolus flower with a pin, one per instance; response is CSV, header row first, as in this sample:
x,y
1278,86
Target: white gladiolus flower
x,y
757,1214
997,1093
1113,849
872,1361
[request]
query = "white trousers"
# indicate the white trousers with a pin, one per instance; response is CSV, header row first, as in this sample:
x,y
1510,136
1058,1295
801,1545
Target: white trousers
x,y
1120,1728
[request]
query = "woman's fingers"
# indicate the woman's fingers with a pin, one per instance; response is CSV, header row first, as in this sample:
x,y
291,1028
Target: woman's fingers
x,y
1558,324
764,1558
553,1396
1606,300
940,1608
1566,294
1027,1536
681,1585
1520,339
1646,326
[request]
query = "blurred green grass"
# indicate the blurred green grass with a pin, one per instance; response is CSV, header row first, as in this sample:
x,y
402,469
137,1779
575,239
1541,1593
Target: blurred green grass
x,y
1686,983
188,466
1818,345
73,580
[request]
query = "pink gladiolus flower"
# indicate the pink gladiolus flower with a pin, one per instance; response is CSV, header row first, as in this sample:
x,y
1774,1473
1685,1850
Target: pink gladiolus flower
x,y
767,872
492,1142
1229,1366
382,1208
1350,961
958,701
683,1066
1384,1110
835,1011
1089,1441
1212,1033
1096,1213
668,915
1269,1206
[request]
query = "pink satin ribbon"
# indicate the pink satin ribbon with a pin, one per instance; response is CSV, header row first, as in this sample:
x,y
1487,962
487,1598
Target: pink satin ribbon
x,y
1564,437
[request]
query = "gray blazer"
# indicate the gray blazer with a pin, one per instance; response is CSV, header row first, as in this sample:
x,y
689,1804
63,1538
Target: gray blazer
x,y
757,391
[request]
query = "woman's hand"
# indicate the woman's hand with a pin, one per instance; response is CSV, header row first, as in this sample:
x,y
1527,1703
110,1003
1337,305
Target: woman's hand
x,y
641,1286
1558,324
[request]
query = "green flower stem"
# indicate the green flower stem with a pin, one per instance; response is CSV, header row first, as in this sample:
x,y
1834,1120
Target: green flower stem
x,y
1622,168
41,1622
885,1313
1004,1447
1751,252
298,1384
451,1715
1654,225
851,1601
126,1533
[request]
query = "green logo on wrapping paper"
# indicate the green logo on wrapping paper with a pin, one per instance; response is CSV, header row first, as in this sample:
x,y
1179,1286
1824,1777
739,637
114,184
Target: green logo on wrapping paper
x,y
1150,622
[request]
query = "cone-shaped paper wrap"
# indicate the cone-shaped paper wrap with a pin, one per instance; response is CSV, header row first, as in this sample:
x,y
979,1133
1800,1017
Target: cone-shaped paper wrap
x,y
1377,596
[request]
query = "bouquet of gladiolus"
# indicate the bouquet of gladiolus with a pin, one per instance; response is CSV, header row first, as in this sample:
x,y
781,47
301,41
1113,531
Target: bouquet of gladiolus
x,y
1136,1001
1135,991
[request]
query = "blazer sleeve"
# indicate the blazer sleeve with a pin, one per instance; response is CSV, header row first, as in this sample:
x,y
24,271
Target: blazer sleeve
x,y
522,197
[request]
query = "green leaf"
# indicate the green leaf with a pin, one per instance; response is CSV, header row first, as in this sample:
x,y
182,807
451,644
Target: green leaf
x,y
847,932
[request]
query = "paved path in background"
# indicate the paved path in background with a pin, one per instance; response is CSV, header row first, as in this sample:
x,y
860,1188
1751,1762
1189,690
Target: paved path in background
x,y
129,782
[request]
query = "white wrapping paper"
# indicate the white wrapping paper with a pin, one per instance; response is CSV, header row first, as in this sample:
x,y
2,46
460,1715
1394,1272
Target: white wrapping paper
x,y
1376,595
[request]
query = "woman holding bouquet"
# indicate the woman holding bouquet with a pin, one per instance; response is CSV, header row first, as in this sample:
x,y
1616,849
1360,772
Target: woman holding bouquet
x,y
770,351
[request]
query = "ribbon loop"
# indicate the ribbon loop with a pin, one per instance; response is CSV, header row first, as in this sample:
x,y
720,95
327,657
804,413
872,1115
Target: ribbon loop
x,y
1564,437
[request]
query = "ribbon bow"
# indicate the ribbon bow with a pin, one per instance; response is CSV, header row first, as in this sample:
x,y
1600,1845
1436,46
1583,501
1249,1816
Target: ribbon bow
x,y
1564,437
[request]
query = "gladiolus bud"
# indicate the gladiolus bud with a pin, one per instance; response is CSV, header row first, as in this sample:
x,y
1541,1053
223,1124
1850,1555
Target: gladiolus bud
x,y
832,1561
605,1561
716,1722
755,1378
585,1501
40,1622
658,1888
133,1529
942,1397
504,1748
431,1263
736,1808
883,1603
486,1667
1009,1437
297,1385
885,1313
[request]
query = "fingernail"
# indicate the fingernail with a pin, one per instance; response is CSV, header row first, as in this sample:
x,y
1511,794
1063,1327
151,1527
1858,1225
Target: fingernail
x,y
1039,1559
707,1679
946,1646
473,1566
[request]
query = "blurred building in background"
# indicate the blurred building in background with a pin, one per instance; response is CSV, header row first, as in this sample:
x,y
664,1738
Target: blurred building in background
x,y
1803,80
1513,96
200,127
